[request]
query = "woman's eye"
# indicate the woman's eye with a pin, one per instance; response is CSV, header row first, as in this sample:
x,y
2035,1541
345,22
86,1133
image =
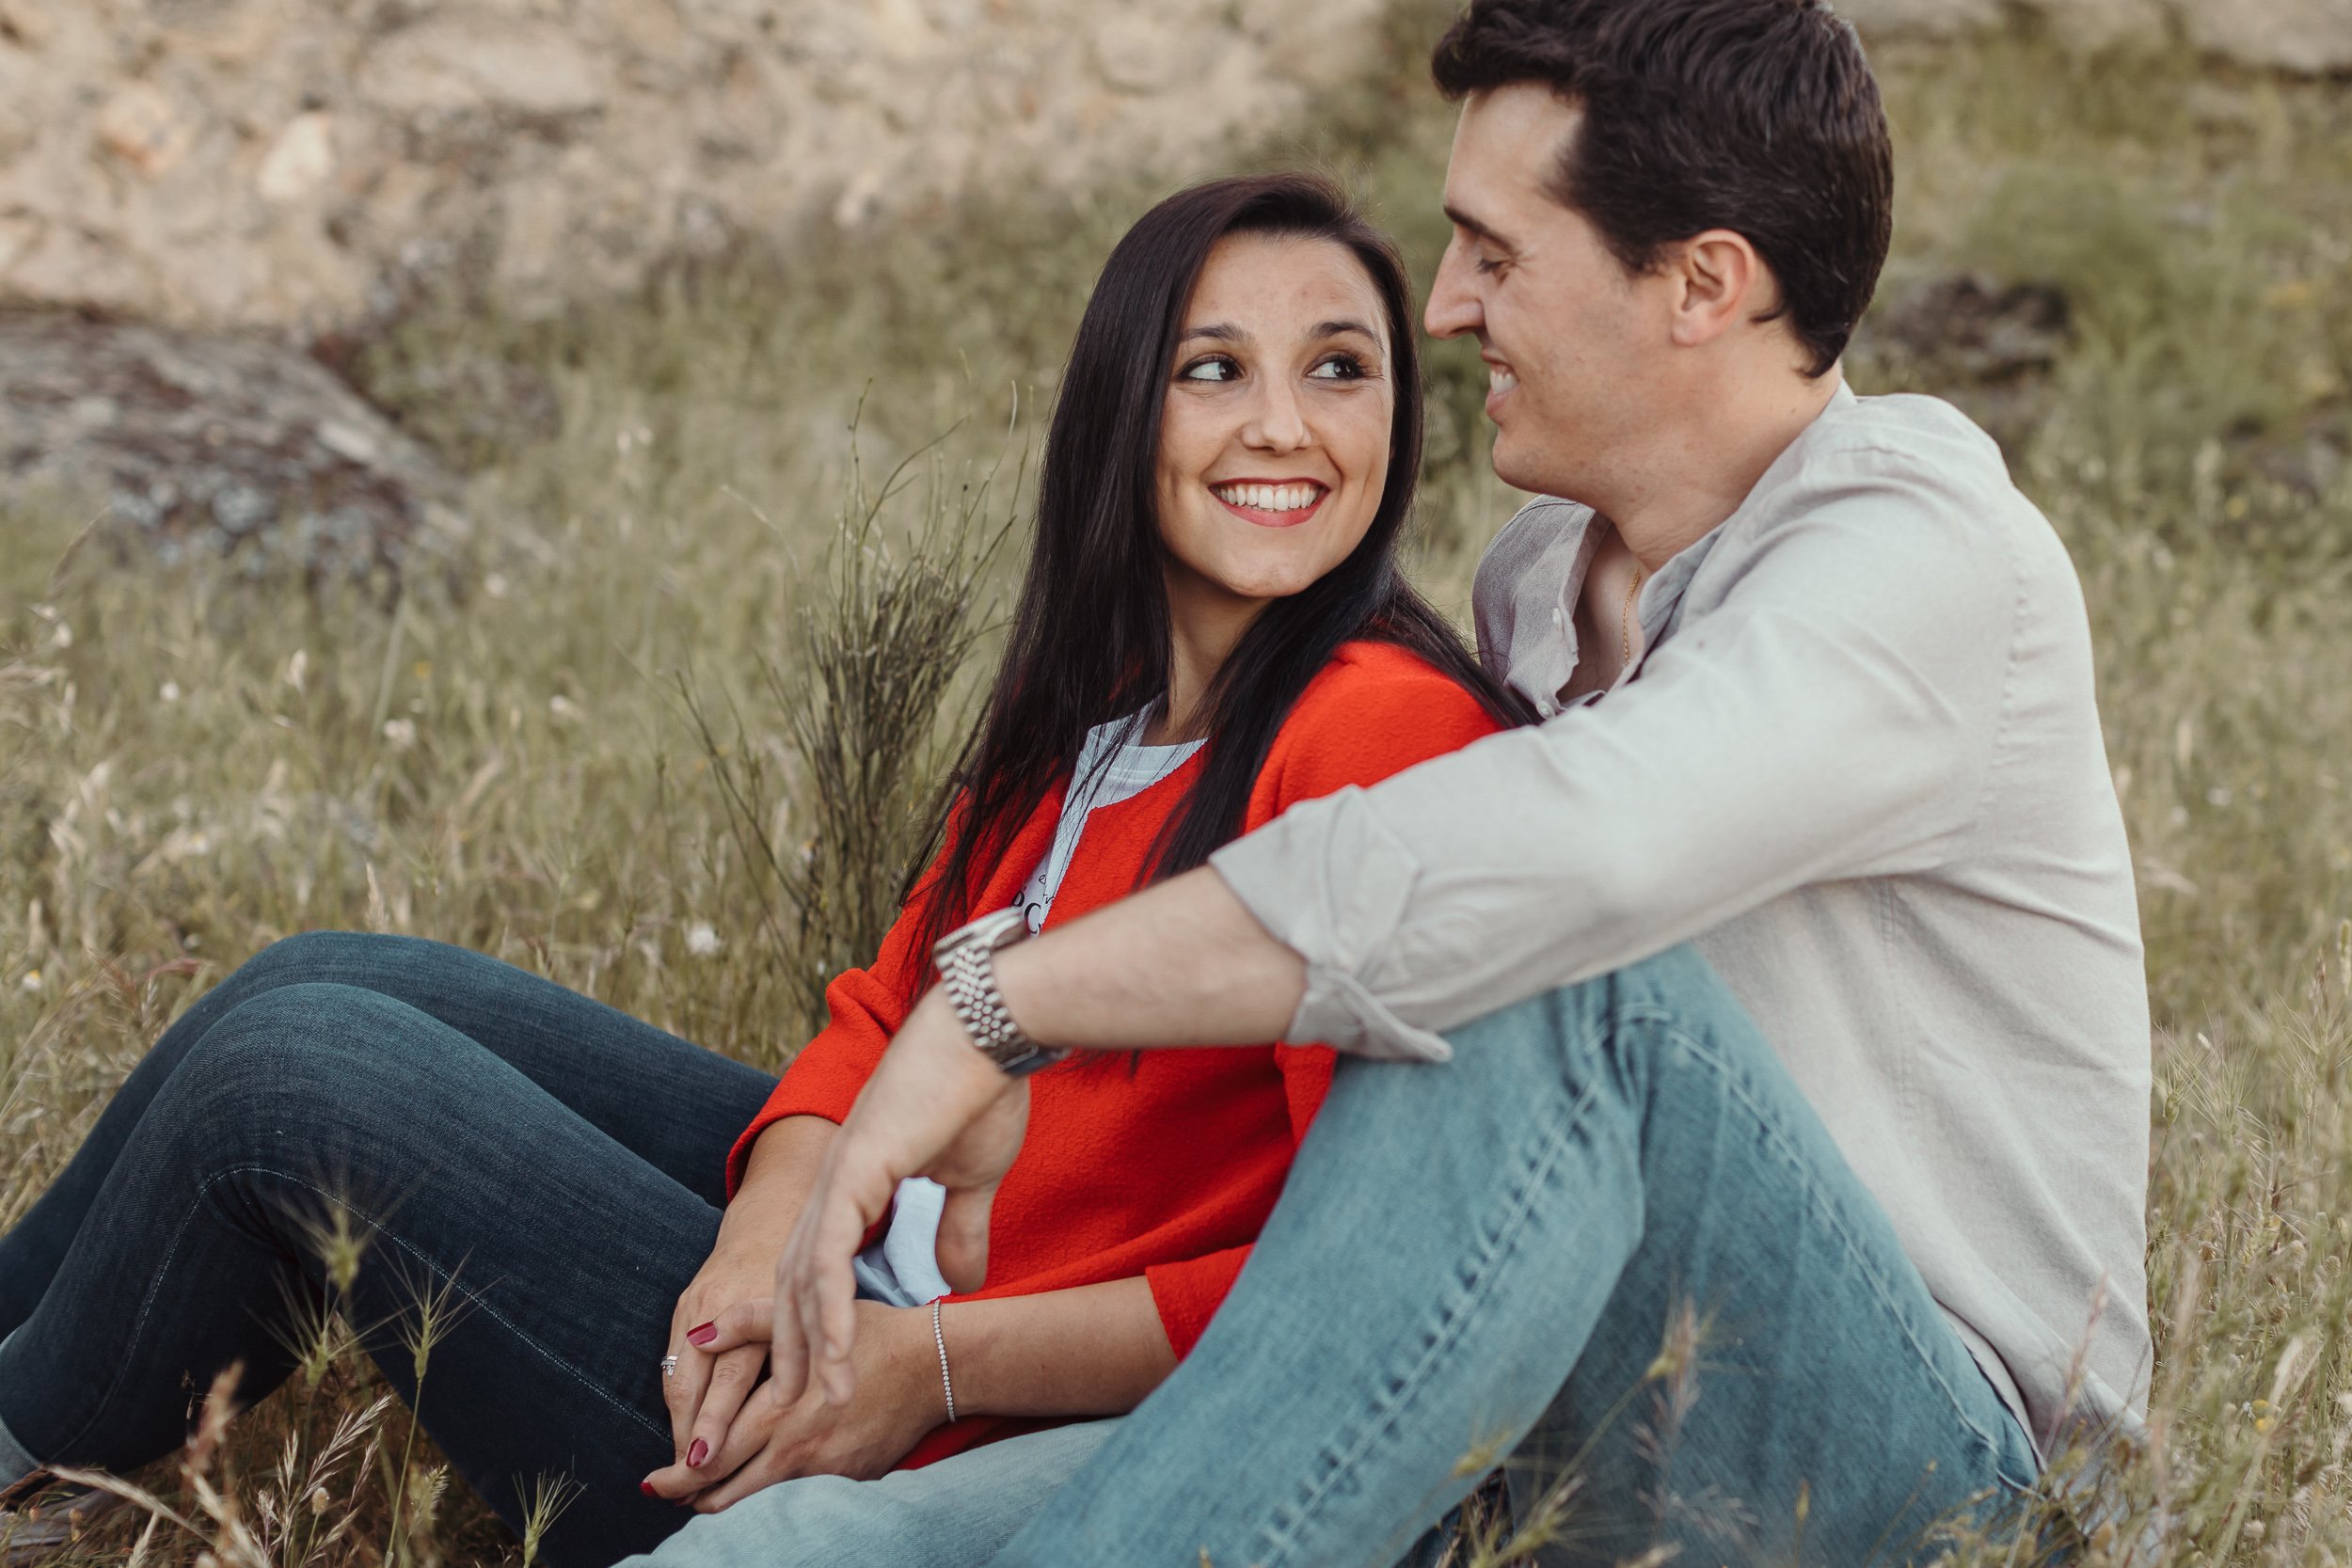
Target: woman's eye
x,y
1214,368
1340,367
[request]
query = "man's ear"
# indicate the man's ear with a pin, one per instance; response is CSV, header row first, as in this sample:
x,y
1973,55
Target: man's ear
x,y
1721,282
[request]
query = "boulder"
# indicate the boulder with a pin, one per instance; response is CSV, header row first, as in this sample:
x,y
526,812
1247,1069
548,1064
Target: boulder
x,y
185,444
1986,345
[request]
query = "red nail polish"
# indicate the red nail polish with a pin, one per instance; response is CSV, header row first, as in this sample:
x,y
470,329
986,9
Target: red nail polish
x,y
646,1487
702,1336
696,1455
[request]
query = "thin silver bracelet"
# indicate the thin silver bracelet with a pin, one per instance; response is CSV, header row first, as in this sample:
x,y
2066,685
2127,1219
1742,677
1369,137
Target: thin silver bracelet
x,y
945,1382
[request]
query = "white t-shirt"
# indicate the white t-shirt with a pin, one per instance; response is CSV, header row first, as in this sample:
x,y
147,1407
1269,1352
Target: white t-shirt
x,y
902,1269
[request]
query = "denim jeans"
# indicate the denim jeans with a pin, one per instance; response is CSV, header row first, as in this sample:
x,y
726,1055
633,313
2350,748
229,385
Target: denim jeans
x,y
1487,1258
1468,1261
550,1168
956,1514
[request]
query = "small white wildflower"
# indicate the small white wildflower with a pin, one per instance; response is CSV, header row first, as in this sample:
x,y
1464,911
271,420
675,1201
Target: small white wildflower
x,y
2219,796
297,667
62,637
564,707
31,980
170,693
496,585
701,940
400,733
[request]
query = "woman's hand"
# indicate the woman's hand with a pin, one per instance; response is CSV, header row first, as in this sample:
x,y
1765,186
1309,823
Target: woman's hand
x,y
899,1397
709,1385
934,1107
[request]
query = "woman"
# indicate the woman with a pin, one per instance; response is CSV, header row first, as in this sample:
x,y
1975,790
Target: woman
x,y
1211,628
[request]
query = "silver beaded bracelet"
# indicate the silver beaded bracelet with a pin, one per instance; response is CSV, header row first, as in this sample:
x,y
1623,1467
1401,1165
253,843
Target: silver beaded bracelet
x,y
946,1383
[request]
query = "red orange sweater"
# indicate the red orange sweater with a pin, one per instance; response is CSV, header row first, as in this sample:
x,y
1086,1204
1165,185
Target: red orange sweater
x,y
1166,1164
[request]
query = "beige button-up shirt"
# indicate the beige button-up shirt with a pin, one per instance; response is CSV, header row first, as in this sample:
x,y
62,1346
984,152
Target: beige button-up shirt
x,y
1860,766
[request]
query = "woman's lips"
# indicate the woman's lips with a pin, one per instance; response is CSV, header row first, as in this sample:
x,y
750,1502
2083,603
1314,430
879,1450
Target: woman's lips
x,y
1292,518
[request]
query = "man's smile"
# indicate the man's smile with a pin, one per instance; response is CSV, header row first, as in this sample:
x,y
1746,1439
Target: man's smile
x,y
1501,383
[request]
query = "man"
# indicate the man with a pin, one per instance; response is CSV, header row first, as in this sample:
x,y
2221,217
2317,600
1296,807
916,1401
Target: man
x,y
1867,1156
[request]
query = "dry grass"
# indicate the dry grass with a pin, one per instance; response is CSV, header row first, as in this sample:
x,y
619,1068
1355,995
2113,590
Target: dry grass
x,y
190,767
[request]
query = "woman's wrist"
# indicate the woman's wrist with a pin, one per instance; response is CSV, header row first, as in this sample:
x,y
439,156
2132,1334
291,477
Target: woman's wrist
x,y
777,1178
1088,1350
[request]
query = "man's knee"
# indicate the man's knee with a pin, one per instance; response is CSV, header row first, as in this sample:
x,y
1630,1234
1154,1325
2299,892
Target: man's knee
x,y
1575,1027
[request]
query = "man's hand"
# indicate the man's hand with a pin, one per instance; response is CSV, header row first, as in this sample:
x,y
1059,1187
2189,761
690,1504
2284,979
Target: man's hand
x,y
775,1439
934,1107
1180,964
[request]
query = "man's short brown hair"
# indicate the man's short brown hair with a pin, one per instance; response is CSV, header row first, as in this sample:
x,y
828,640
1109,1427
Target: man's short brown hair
x,y
1756,116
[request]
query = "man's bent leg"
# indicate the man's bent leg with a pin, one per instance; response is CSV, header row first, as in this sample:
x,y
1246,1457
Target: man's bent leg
x,y
1455,1241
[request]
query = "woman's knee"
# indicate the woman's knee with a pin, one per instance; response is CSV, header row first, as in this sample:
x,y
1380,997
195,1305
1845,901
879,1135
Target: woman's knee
x,y
338,958
302,1046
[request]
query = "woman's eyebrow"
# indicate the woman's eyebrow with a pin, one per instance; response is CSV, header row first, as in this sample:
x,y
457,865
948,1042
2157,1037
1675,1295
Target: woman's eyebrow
x,y
1224,332
1339,329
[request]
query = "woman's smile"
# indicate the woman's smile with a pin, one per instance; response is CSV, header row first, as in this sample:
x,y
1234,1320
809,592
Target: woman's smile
x,y
1272,504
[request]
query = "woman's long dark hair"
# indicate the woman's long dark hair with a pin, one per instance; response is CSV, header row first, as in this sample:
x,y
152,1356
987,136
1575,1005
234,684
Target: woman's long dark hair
x,y
1090,641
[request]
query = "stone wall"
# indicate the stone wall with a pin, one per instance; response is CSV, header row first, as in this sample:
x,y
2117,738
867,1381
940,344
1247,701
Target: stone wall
x,y
301,163
2305,36
292,162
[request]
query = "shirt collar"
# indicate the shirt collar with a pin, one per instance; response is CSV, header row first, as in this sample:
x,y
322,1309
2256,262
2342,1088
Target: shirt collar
x,y
1658,608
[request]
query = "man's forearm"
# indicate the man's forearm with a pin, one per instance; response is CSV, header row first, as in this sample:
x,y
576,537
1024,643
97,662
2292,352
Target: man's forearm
x,y
1183,963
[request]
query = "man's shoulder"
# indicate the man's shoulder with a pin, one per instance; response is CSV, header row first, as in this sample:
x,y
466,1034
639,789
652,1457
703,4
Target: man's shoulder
x,y
1904,476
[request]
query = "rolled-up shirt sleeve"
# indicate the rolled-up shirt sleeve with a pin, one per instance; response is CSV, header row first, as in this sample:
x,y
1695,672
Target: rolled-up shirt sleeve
x,y
1832,714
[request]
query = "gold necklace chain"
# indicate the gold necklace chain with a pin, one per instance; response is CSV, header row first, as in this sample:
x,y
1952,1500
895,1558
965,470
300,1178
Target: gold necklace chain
x,y
1625,618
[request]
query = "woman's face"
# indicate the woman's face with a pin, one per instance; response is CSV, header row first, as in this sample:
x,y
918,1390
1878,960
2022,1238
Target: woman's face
x,y
1273,442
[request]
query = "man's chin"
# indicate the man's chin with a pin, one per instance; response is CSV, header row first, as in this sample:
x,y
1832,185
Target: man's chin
x,y
1524,471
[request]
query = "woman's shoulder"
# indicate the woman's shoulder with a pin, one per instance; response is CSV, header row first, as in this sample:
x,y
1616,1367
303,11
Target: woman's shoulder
x,y
1366,677
1374,709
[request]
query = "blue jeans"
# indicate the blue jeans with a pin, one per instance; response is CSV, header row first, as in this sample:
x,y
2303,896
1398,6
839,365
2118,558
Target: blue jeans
x,y
552,1168
1487,1258
1491,1258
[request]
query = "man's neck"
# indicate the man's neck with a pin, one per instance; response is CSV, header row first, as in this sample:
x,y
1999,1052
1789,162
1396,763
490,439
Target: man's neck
x,y
1700,471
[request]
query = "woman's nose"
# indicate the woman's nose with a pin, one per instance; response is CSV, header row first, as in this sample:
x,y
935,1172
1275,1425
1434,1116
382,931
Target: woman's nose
x,y
1277,421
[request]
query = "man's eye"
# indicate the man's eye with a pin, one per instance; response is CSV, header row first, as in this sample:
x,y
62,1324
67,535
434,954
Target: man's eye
x,y
1488,265
1340,367
1216,368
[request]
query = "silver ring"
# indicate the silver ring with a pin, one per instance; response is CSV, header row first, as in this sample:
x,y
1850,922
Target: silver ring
x,y
668,1365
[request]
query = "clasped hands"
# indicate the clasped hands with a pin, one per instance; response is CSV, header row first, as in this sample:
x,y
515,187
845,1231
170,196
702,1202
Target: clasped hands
x,y
851,1385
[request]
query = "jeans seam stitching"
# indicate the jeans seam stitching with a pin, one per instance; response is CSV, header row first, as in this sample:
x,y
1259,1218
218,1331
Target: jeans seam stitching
x,y
473,1297
1791,1155
1388,1410
1543,1157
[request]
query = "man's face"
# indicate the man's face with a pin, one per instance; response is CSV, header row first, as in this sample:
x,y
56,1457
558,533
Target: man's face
x,y
1574,345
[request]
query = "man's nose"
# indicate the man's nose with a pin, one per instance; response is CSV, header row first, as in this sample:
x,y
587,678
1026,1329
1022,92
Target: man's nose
x,y
1453,308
